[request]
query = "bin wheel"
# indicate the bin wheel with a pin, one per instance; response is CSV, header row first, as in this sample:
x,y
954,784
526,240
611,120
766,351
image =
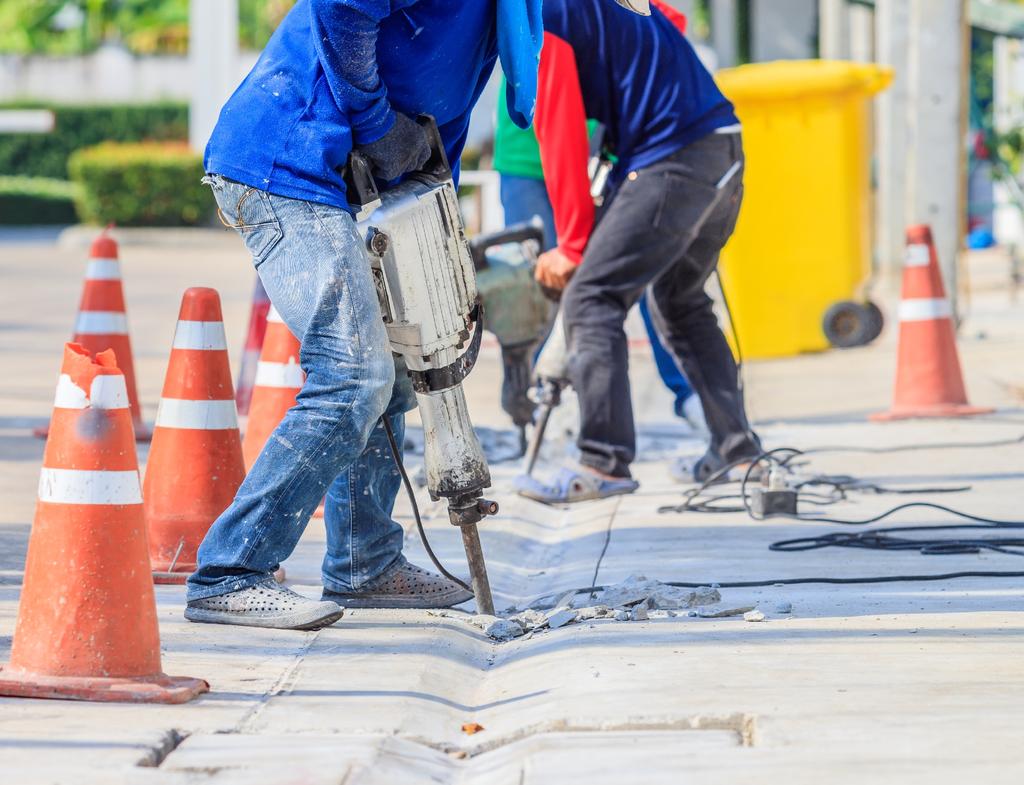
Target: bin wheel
x,y
877,320
848,324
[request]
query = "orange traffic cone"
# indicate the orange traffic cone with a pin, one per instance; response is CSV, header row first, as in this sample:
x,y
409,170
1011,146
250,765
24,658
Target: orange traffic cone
x,y
253,346
195,463
87,627
929,382
279,377
103,324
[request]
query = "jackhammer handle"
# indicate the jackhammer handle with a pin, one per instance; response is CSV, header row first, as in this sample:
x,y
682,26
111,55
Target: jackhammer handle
x,y
517,233
360,185
437,166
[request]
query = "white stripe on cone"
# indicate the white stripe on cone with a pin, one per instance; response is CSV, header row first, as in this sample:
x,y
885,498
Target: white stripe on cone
x,y
274,316
198,415
200,335
279,375
105,392
925,309
79,486
101,323
918,255
103,270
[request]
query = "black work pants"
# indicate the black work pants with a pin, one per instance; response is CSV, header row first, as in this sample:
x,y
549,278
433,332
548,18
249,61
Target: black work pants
x,y
663,229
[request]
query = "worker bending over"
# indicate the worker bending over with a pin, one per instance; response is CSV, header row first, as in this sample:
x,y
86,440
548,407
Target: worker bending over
x,y
524,198
675,195
337,76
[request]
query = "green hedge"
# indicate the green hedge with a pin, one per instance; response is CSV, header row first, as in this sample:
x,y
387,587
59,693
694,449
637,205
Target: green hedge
x,y
46,155
26,201
145,184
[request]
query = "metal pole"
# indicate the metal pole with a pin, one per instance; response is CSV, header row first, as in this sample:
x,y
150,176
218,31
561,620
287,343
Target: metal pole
x,y
833,30
892,36
936,161
213,55
724,32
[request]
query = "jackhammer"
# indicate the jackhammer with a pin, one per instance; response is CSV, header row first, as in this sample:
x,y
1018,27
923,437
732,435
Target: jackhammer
x,y
517,311
426,284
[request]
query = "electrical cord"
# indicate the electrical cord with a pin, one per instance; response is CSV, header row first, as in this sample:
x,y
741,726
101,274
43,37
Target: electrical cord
x,y
884,540
415,507
909,505
914,447
904,578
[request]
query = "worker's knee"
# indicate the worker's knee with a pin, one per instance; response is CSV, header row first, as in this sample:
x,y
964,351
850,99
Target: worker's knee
x,y
375,389
590,308
347,394
671,306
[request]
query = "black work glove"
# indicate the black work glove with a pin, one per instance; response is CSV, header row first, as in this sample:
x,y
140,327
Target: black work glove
x,y
402,149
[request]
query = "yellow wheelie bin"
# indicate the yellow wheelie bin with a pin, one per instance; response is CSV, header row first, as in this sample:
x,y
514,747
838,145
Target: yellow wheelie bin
x,y
795,270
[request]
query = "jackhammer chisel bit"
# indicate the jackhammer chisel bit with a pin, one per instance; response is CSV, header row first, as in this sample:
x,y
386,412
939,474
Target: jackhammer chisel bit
x,y
551,373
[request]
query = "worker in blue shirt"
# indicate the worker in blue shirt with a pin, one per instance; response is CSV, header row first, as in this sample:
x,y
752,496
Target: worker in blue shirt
x,y
337,76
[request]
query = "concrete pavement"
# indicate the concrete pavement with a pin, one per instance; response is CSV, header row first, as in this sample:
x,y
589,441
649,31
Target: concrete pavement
x,y
902,682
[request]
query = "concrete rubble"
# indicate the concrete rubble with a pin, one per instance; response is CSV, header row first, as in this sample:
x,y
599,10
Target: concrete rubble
x,y
637,598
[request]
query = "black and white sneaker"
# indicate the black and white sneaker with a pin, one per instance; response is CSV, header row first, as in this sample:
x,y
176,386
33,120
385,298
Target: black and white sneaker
x,y
266,604
403,585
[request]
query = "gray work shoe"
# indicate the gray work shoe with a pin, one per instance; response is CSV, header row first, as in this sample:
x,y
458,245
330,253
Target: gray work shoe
x,y
403,585
264,605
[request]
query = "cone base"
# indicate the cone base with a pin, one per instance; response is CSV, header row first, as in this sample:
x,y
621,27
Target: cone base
x,y
939,411
143,433
16,683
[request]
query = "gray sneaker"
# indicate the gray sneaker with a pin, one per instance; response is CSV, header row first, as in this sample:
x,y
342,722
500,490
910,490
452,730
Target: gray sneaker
x,y
403,585
265,605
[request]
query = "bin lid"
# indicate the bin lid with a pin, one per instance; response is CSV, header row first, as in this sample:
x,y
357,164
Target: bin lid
x,y
788,79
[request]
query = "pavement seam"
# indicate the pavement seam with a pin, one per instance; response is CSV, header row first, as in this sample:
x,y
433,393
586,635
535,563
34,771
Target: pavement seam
x,y
283,684
743,724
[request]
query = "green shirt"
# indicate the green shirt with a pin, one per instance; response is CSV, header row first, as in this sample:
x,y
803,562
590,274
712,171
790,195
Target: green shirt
x,y
515,149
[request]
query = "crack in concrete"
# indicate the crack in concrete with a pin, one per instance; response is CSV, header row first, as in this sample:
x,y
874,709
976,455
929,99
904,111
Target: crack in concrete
x,y
607,542
158,753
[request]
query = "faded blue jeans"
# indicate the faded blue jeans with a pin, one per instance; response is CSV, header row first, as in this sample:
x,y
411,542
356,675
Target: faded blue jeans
x,y
311,261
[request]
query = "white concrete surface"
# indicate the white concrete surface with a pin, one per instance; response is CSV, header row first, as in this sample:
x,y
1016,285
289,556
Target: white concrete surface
x,y
906,682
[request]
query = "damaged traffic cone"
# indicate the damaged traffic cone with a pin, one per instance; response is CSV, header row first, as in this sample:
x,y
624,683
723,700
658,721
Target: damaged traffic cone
x,y
279,377
929,382
253,345
87,626
102,322
195,463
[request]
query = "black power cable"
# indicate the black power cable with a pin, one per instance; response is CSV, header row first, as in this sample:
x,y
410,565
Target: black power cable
x,y
915,447
907,578
415,507
886,539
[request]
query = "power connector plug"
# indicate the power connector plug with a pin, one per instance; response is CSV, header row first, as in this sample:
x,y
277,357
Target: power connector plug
x,y
774,499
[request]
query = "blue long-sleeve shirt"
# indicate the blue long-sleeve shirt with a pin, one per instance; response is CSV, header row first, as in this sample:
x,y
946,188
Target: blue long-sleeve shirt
x,y
335,71
639,77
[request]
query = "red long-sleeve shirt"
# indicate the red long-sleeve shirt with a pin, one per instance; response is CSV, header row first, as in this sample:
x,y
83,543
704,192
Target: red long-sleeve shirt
x,y
637,76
